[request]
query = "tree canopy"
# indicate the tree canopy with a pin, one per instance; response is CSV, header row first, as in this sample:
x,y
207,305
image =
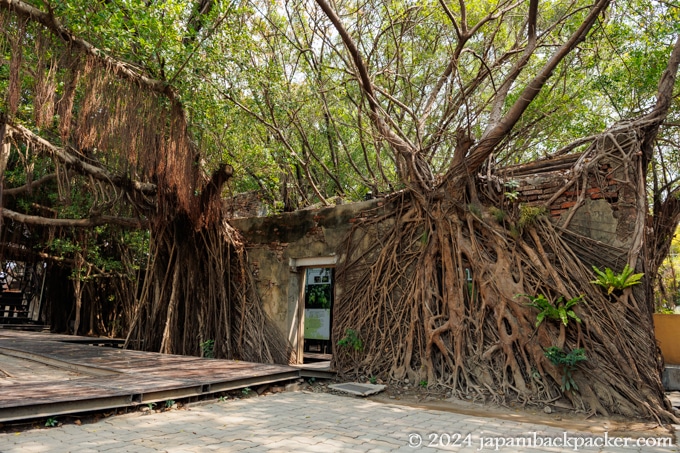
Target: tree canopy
x,y
270,89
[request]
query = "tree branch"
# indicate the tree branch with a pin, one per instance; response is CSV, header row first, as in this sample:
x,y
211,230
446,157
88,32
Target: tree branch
x,y
78,223
78,164
665,221
495,135
453,20
26,187
213,187
19,252
397,142
502,93
463,38
419,170
664,97
121,68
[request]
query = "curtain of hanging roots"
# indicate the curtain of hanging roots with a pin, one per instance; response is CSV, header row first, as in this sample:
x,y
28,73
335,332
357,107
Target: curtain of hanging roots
x,y
197,288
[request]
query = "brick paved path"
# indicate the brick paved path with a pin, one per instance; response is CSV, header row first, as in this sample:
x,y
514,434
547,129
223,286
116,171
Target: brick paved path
x,y
309,422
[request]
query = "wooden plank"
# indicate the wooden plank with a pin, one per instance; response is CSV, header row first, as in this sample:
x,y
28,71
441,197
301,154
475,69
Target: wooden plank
x,y
317,356
126,377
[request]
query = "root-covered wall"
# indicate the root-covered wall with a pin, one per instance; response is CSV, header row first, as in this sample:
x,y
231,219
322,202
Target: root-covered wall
x,y
434,289
443,295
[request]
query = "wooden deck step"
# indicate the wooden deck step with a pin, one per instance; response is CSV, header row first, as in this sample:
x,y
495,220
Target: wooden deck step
x,y
113,377
30,325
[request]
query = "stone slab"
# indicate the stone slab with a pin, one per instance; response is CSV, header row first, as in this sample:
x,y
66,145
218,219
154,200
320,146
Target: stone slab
x,y
355,388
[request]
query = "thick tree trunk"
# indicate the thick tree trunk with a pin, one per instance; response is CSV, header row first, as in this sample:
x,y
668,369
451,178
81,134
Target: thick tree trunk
x,y
5,149
78,290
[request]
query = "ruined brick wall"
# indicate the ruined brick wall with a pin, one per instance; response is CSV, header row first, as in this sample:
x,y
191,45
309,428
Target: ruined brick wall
x,y
246,204
600,206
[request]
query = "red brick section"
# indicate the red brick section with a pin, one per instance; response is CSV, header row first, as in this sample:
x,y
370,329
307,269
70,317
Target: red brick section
x,y
536,189
246,204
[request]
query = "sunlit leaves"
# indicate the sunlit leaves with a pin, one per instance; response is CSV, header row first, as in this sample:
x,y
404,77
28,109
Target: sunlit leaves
x,y
268,87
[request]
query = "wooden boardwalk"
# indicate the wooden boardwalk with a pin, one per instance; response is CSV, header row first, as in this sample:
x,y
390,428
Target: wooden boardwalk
x,y
105,377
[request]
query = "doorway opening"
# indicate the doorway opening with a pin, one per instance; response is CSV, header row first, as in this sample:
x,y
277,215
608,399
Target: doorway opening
x,y
317,316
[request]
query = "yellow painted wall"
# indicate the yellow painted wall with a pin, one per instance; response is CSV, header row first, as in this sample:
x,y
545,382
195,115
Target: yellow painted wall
x,y
667,331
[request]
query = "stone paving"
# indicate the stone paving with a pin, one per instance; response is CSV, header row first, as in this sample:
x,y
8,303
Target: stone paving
x,y
315,422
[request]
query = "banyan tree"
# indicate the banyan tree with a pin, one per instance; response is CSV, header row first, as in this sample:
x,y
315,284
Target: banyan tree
x,y
115,144
422,317
433,132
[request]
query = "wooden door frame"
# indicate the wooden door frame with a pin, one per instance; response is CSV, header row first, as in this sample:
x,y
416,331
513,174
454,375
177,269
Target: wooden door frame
x,y
300,266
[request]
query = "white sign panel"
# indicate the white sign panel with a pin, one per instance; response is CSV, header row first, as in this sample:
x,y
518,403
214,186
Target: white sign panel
x,y
317,324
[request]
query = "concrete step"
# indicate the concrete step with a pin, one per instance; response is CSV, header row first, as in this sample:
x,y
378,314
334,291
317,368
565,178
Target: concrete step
x,y
671,378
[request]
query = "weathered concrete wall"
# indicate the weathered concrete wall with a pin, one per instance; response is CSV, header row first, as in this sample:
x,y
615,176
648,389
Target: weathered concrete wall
x,y
276,242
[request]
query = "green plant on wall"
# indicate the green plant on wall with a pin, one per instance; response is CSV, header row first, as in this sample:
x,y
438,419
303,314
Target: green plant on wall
x,y
351,341
559,311
567,361
616,282
498,214
512,193
529,215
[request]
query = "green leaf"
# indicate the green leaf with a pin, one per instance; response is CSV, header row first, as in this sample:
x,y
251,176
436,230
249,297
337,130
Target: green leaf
x,y
571,302
563,315
572,315
557,311
611,281
539,318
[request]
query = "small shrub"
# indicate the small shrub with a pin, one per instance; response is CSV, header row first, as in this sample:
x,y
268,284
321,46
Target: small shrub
x,y
568,362
559,311
528,215
208,349
512,194
616,282
475,210
498,214
351,340
50,422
